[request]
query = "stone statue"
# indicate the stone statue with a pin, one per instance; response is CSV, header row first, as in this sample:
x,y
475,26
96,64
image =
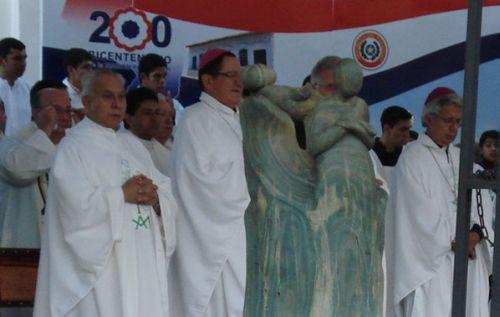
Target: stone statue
x,y
315,223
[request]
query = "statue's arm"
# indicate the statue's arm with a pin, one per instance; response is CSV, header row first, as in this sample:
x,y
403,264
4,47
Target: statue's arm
x,y
296,102
359,128
321,138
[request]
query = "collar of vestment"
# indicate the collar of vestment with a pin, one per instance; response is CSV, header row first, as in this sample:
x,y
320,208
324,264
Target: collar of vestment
x,y
88,124
429,143
230,116
217,105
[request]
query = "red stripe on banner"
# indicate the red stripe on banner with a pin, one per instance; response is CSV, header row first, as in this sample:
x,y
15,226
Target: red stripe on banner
x,y
298,15
278,15
83,8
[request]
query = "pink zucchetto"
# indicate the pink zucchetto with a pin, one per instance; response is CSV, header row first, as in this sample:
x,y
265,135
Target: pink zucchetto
x,y
438,93
211,55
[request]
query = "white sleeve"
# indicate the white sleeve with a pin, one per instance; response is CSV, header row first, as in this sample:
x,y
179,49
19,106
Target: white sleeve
x,y
27,159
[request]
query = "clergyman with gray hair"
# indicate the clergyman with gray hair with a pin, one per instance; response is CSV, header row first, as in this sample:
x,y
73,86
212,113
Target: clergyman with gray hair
x,y
323,75
420,220
110,217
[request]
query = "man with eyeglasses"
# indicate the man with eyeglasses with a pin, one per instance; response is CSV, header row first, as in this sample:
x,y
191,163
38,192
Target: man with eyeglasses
x,y
421,218
323,75
323,80
25,159
208,179
14,91
143,120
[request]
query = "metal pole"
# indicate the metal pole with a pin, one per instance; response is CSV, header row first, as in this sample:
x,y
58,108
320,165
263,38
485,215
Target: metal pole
x,y
472,51
495,299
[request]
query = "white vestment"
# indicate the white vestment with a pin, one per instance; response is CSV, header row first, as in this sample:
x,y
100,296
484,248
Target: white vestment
x,y
102,256
16,100
160,154
420,226
25,159
208,178
74,95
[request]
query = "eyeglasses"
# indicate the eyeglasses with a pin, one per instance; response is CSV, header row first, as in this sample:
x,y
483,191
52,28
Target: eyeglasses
x,y
450,121
330,86
229,75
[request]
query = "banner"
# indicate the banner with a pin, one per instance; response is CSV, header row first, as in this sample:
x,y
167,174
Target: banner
x,y
406,48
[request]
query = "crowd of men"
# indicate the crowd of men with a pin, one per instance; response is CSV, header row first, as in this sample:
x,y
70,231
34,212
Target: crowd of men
x,y
134,222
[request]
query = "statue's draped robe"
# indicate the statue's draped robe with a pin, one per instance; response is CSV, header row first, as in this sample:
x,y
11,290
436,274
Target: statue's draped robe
x,y
303,244
347,222
280,262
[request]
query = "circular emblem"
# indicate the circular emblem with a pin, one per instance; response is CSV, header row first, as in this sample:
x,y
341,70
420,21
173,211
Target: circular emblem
x,y
130,29
370,49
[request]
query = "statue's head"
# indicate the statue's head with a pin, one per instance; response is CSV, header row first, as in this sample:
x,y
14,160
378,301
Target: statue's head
x,y
349,78
257,76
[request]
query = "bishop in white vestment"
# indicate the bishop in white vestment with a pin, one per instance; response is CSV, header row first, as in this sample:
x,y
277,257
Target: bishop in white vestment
x,y
208,176
421,218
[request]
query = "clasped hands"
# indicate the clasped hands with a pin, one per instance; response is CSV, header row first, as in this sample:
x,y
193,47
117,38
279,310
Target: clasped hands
x,y
140,190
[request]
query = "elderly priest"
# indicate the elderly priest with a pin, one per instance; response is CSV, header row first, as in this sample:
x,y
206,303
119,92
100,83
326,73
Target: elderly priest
x,y
109,219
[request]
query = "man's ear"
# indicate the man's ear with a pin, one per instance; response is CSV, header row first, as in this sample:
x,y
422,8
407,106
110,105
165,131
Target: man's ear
x,y
207,81
142,77
86,101
385,127
70,70
427,120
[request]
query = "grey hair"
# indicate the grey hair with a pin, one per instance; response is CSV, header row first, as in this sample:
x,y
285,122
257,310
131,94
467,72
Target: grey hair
x,y
434,106
89,78
326,63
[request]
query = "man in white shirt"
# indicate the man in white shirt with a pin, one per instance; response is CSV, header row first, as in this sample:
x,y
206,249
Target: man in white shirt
x,y
143,121
110,217
208,177
14,91
25,159
77,63
421,218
